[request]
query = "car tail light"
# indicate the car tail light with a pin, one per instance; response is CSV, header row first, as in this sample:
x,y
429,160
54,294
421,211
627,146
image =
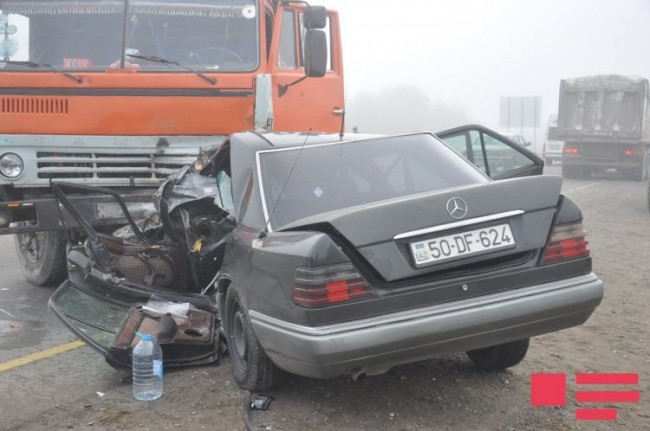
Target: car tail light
x,y
326,285
567,242
571,150
632,153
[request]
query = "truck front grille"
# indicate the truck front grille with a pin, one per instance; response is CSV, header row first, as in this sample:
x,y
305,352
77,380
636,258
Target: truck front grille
x,y
58,165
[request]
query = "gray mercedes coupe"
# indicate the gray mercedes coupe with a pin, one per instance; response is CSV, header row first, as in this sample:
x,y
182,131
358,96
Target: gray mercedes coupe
x,y
326,255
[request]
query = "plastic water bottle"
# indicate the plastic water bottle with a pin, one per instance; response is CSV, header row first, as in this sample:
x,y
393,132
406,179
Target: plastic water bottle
x,y
147,369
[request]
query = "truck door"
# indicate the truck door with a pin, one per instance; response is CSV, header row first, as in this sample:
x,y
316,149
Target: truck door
x,y
313,103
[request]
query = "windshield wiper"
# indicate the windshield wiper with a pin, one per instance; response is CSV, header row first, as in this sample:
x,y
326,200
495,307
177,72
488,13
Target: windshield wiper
x,y
35,65
175,63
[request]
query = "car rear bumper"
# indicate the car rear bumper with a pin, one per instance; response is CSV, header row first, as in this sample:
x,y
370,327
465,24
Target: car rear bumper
x,y
374,345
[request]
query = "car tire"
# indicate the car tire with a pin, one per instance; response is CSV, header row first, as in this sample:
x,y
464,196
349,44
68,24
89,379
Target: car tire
x,y
42,256
501,356
251,367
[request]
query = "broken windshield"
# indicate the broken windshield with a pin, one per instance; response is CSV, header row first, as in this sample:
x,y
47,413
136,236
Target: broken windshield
x,y
89,34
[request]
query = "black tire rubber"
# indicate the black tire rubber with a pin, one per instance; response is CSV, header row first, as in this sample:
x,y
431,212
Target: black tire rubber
x,y
640,173
501,356
569,171
42,256
251,367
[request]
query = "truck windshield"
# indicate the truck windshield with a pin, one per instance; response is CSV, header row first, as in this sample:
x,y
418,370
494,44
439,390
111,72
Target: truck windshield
x,y
89,34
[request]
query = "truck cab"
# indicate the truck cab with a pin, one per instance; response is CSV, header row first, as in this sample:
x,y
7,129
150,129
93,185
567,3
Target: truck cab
x,y
120,94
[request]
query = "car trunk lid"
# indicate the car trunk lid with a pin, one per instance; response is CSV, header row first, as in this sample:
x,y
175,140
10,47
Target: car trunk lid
x,y
502,218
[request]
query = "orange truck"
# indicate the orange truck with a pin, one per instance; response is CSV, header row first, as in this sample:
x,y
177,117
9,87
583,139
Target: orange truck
x,y
121,93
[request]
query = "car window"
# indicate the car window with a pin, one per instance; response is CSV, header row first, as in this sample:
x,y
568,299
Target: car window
x,y
224,198
502,158
223,179
340,175
496,156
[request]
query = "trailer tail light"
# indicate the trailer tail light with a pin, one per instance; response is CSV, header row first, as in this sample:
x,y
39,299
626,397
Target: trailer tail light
x,y
327,285
632,153
567,242
571,150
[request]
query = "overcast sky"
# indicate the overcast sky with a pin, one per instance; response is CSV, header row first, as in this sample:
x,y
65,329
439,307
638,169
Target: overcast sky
x,y
469,53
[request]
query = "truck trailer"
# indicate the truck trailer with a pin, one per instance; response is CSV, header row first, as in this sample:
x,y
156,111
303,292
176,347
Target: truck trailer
x,y
604,121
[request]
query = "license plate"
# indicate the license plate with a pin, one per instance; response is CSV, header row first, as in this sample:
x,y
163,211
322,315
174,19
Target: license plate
x,y
462,244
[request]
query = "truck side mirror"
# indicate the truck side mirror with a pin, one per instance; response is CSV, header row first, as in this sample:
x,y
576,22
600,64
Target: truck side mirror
x,y
315,17
315,53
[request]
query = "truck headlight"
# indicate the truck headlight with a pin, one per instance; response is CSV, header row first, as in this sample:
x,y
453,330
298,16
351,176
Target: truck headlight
x,y
11,165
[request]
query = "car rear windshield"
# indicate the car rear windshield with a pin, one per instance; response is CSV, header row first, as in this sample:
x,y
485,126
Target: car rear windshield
x,y
300,183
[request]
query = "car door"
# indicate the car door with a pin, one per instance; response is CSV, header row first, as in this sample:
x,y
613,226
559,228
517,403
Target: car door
x,y
495,155
119,288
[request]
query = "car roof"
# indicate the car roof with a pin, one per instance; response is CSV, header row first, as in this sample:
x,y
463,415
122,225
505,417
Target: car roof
x,y
267,141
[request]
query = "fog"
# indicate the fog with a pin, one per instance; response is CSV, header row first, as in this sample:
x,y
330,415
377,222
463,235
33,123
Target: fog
x,y
456,58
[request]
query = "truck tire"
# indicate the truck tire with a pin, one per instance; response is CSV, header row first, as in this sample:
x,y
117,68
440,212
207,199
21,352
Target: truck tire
x,y
639,172
567,171
578,172
42,256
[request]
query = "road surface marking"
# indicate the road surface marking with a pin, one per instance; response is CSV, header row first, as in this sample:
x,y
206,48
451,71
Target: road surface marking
x,y
8,313
43,354
582,188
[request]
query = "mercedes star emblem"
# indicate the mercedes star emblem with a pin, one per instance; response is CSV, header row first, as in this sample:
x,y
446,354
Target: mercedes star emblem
x,y
456,207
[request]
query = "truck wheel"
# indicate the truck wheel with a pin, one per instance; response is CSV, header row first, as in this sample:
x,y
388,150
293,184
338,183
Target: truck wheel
x,y
640,173
42,256
578,172
251,368
501,356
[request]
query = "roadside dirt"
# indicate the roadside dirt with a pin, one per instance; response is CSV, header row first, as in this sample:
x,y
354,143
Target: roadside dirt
x,y
444,394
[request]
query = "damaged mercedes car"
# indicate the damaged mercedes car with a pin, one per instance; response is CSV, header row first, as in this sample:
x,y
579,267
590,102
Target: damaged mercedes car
x,y
325,255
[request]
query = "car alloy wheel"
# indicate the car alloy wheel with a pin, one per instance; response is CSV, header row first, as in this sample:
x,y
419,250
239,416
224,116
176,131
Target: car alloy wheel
x,y
238,337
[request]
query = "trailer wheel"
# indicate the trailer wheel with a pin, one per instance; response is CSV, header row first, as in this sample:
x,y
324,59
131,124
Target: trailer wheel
x,y
638,173
578,172
42,256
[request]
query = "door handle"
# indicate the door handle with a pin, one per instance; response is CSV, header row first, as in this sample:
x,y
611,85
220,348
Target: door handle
x,y
338,111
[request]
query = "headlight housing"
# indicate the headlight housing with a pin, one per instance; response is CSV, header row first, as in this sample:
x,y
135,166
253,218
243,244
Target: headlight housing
x,y
11,165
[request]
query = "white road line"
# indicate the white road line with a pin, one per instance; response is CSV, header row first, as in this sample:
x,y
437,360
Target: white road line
x,y
8,313
581,188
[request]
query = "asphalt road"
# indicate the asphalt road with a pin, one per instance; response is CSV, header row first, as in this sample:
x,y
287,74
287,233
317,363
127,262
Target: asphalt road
x,y
76,389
